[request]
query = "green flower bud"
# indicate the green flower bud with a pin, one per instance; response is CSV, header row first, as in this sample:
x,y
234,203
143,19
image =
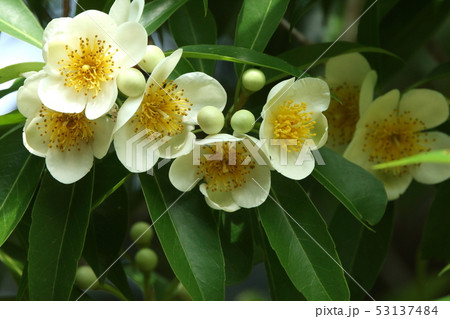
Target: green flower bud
x,y
85,277
210,119
131,82
152,57
144,229
146,260
242,121
253,80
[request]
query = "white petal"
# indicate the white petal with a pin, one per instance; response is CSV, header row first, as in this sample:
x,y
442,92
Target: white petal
x,y
120,11
103,130
32,138
432,173
28,101
320,129
90,23
164,68
222,137
367,90
428,106
56,51
183,173
219,200
394,185
69,167
131,40
103,102
275,94
312,91
178,145
354,152
256,189
128,109
136,9
290,168
380,108
201,90
55,28
350,68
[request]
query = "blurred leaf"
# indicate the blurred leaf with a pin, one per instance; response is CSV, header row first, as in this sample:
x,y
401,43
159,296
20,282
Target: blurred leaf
x,y
436,235
60,219
157,12
205,6
362,251
84,5
189,26
14,117
20,174
443,271
300,7
22,290
14,87
300,238
17,20
188,236
14,266
237,245
439,156
358,190
441,71
14,71
239,55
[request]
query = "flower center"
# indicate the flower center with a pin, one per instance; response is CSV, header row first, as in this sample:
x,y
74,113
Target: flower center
x,y
89,66
396,137
162,110
290,121
225,166
342,118
65,131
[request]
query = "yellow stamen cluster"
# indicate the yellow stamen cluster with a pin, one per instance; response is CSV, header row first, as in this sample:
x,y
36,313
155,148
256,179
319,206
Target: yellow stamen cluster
x,y
89,66
162,110
225,166
290,121
397,136
65,131
342,118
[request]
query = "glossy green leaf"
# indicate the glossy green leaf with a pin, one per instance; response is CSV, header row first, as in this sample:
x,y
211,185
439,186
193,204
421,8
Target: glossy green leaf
x,y
358,190
183,66
237,245
60,219
20,174
190,26
299,236
188,235
17,20
362,251
14,117
14,71
239,55
439,156
157,12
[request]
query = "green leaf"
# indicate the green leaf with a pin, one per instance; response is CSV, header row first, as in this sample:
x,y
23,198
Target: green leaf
x,y
84,5
14,266
17,20
183,66
189,26
436,234
439,72
14,71
439,156
14,87
444,270
205,6
237,245
362,251
157,12
358,190
300,7
14,117
300,238
20,174
239,55
188,236
60,219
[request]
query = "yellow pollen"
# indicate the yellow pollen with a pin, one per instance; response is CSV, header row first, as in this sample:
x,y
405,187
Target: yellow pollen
x,y
162,110
396,137
87,67
65,131
342,118
290,121
225,166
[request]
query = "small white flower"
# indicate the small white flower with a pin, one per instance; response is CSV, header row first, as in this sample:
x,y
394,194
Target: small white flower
x,y
292,117
392,128
158,123
68,141
123,11
232,176
84,55
352,81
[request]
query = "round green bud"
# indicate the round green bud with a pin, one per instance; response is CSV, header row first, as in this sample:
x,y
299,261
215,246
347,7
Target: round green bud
x,y
242,121
131,82
210,119
144,229
85,277
152,57
253,80
146,260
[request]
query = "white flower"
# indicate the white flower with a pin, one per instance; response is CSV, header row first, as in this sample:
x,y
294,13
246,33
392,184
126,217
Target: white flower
x,y
352,81
84,55
293,125
68,141
232,176
159,122
392,128
123,11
